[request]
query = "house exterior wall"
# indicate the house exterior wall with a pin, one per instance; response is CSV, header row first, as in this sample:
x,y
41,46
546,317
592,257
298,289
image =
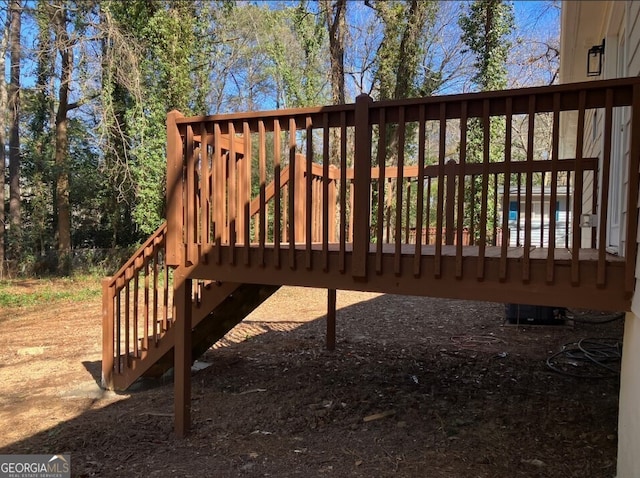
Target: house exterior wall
x,y
585,24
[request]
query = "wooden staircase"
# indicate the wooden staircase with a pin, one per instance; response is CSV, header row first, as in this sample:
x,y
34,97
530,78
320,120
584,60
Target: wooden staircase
x,y
139,317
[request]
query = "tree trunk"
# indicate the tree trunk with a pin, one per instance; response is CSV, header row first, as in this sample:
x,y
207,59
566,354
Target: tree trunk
x,y
335,16
15,12
63,209
3,124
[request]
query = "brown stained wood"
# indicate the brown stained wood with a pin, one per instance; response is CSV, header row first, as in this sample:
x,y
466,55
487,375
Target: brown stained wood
x,y
205,188
484,206
232,199
146,304
494,234
246,190
576,230
165,302
420,191
520,97
399,188
294,188
309,218
155,315
428,219
362,182
108,332
437,263
285,210
191,195
326,201
136,285
277,212
182,355
407,214
174,190
382,158
553,198
262,160
450,204
343,191
331,319
526,270
631,243
127,324
461,184
219,207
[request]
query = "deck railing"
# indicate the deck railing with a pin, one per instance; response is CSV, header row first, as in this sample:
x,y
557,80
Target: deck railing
x,y
520,168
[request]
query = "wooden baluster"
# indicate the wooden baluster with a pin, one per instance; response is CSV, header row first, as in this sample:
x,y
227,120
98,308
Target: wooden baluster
x,y
136,325
506,191
308,217
246,192
294,203
233,194
262,158
601,278
397,260
326,182
437,260
461,185
382,156
553,197
577,197
205,192
484,203
526,262
191,226
277,210
417,257
219,185
343,191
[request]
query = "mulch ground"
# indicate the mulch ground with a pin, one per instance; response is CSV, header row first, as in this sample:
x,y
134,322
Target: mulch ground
x,y
416,387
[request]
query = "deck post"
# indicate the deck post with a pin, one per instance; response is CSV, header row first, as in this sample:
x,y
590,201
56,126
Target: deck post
x,y
174,197
107,334
182,353
331,319
362,184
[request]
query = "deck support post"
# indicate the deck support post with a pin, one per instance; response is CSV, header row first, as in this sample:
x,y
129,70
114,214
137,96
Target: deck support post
x,y
331,319
174,199
362,184
182,353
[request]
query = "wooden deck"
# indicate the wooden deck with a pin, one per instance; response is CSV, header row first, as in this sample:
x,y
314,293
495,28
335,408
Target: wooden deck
x,y
333,197
514,280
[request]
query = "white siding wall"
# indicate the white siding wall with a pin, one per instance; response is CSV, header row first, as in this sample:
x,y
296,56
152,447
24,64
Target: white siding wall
x,y
629,409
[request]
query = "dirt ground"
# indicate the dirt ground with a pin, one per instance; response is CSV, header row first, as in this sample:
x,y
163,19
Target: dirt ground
x,y
416,387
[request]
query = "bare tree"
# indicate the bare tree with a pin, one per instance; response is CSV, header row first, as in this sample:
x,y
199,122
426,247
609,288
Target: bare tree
x,y
335,13
3,108
13,103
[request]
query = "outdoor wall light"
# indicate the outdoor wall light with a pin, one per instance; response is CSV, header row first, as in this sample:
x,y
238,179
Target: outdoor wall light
x,y
594,60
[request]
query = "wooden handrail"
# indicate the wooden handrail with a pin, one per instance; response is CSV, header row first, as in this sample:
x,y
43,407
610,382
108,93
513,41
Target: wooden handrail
x,y
337,192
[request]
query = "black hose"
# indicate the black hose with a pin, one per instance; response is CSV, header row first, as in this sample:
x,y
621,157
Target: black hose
x,y
596,319
592,357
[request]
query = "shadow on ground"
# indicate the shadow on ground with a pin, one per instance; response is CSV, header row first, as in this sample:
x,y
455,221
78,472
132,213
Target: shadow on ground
x,y
416,387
